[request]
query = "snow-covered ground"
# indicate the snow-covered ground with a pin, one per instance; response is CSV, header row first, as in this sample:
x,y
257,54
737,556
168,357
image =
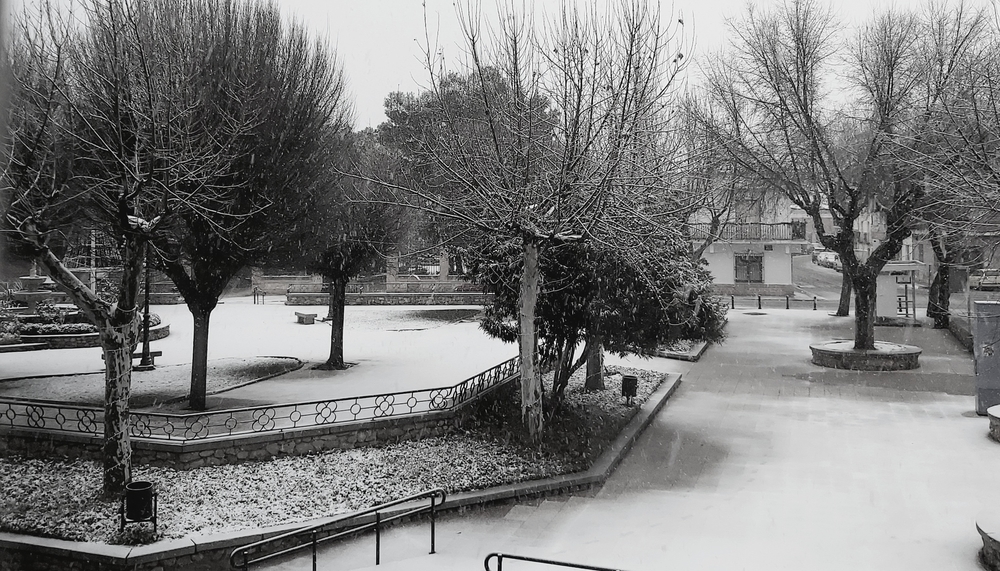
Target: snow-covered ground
x,y
395,348
762,460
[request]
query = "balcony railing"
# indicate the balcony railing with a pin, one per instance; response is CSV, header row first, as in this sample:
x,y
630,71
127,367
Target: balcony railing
x,y
751,231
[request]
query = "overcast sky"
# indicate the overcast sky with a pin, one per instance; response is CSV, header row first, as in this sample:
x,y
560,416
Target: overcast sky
x,y
380,41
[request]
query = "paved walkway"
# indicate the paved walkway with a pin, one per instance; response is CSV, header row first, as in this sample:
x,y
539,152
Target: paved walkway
x,y
761,461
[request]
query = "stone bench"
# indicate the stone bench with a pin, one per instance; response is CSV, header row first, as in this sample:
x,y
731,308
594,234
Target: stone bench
x,y
305,318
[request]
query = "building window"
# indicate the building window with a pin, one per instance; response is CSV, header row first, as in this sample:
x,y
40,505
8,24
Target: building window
x,y
749,268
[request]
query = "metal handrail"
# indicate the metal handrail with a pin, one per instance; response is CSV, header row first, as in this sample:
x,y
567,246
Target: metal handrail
x,y
501,556
314,531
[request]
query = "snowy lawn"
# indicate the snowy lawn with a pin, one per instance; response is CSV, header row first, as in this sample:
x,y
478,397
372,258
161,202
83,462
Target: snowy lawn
x,y
61,498
150,388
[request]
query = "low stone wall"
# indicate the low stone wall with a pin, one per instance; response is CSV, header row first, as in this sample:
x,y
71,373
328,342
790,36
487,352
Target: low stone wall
x,y
277,285
87,339
48,555
190,454
754,289
379,298
432,286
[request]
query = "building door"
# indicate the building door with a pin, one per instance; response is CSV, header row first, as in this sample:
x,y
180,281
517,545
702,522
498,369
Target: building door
x,y
749,268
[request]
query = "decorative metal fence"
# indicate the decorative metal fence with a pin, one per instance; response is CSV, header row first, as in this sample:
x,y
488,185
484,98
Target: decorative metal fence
x,y
66,418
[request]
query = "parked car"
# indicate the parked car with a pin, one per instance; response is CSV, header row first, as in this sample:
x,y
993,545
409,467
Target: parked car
x,y
816,251
829,259
988,278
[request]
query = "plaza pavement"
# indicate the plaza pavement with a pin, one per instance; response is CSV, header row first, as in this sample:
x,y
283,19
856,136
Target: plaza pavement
x,y
761,460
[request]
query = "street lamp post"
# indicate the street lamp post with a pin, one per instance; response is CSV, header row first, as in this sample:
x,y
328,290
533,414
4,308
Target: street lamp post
x,y
146,364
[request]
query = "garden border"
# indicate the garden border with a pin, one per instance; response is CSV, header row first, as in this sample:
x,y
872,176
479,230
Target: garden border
x,y
207,552
86,340
370,419
691,355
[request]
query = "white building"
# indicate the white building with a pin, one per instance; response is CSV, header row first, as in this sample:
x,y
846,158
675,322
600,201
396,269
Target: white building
x,y
753,255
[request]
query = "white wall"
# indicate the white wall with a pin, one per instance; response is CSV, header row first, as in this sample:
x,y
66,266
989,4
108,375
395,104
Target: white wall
x,y
721,263
778,266
777,263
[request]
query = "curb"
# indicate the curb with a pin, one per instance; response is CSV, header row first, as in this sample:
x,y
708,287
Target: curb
x,y
19,347
693,355
299,365
128,556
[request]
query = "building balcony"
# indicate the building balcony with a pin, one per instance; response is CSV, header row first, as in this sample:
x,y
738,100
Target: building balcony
x,y
752,232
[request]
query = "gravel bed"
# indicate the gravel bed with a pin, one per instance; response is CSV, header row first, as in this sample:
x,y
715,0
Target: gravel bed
x,y
149,388
61,499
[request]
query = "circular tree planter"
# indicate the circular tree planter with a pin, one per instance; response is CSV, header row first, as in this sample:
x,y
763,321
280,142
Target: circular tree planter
x,y
841,354
993,413
988,526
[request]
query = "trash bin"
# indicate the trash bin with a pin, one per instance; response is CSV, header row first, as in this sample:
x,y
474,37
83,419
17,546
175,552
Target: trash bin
x,y
629,385
139,501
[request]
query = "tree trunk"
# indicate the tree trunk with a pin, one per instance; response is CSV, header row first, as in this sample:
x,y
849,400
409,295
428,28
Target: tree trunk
x,y
338,299
118,325
939,297
864,309
199,358
595,363
117,449
531,383
844,308
564,369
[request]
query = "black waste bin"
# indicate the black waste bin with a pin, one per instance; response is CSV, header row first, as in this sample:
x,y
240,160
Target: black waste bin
x,y
139,501
629,385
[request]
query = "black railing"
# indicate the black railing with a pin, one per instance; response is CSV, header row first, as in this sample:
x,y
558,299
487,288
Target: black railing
x,y
501,556
244,557
62,417
772,302
753,231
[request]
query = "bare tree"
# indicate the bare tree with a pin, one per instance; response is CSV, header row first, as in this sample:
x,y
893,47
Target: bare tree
x,y
125,119
349,230
77,148
716,190
285,94
563,144
956,128
781,124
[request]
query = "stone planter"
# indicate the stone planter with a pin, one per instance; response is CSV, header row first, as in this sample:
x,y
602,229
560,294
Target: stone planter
x,y
80,340
841,354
